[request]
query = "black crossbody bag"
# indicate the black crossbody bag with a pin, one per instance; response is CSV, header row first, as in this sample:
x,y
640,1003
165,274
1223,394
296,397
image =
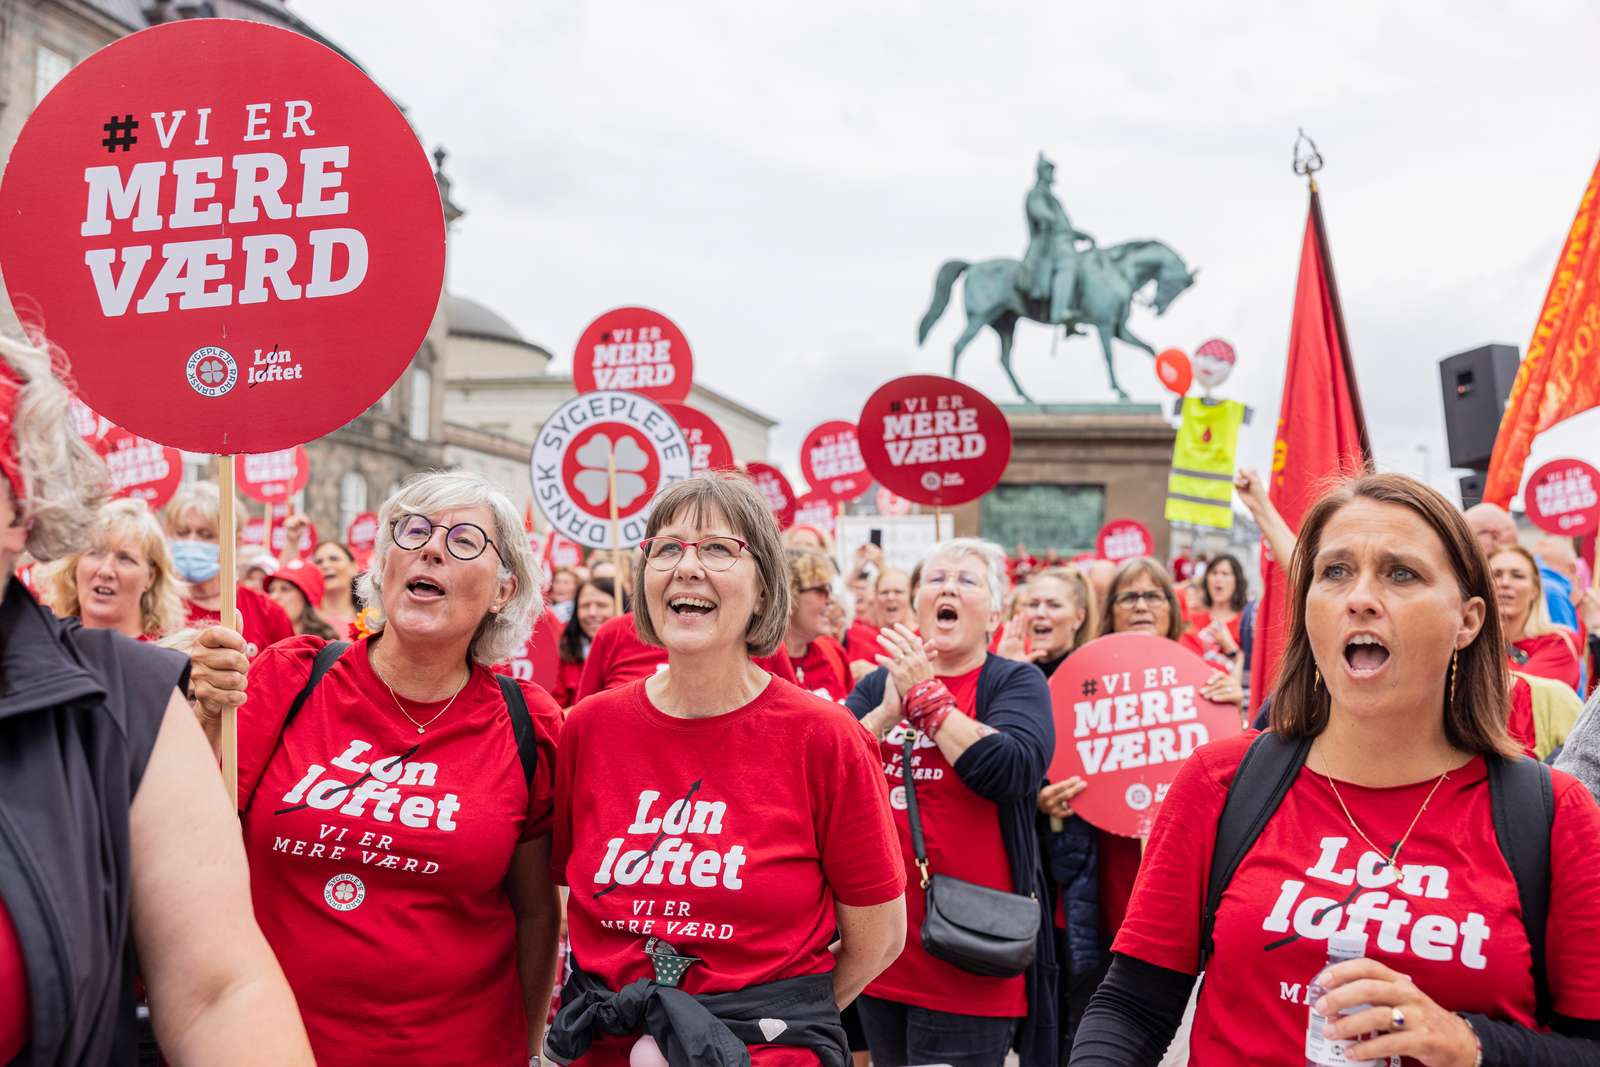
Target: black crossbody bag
x,y
981,930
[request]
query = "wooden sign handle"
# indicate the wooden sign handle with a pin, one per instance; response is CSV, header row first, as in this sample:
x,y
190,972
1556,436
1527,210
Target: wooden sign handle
x,y
227,539
616,525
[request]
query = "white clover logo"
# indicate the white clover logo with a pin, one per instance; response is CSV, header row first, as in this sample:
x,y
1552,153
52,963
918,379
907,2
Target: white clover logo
x,y
592,477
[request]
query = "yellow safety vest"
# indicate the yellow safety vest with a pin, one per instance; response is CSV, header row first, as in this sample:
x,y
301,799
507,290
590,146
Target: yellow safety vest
x,y
1200,487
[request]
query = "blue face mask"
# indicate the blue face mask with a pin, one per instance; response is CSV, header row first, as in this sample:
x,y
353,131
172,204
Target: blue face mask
x,y
196,561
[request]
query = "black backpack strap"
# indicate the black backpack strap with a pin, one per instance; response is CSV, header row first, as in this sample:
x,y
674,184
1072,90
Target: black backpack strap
x,y
1265,774
326,657
521,726
1522,798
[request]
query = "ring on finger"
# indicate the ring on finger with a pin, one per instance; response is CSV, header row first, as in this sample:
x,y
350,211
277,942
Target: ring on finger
x,y
1397,1018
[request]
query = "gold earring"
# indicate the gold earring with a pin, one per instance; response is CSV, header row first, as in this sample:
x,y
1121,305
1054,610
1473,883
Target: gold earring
x,y
1316,681
1455,661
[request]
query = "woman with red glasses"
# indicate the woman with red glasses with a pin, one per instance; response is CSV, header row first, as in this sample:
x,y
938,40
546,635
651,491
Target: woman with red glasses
x,y
719,828
396,807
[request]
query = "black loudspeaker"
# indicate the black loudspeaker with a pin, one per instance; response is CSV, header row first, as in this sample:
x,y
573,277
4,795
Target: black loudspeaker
x,y
1475,385
1472,488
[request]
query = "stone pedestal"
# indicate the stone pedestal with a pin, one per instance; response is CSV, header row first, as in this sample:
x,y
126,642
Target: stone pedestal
x,y
1073,467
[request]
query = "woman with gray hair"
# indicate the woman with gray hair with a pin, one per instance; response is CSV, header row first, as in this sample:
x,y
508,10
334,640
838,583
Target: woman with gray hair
x,y
716,824
396,796
114,840
980,735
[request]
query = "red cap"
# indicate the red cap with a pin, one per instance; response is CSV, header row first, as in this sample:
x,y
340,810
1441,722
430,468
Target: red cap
x,y
304,577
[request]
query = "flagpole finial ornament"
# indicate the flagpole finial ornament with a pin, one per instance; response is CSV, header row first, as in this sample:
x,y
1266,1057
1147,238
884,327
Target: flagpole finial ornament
x,y
1307,160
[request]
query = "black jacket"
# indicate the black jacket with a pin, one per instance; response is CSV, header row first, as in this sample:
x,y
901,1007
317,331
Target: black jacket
x,y
1006,768
79,714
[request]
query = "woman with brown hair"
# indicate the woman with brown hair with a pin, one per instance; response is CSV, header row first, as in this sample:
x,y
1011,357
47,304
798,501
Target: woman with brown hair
x,y
1391,707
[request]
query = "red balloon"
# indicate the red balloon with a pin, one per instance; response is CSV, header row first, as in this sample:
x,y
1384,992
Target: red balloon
x,y
1128,712
234,235
831,460
1175,371
776,488
708,445
636,349
934,440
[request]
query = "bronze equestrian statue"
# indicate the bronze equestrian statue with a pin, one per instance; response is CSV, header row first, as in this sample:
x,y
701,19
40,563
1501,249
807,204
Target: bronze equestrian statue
x,y
1058,283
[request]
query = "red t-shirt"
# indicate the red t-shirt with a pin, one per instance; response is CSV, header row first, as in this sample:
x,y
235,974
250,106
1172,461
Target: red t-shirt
x,y
787,813
962,832
1196,640
13,990
1549,656
617,657
861,641
568,676
386,903
824,669
265,623
1452,922
1519,724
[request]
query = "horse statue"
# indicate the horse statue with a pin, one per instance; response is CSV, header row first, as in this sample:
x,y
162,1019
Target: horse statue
x,y
1109,278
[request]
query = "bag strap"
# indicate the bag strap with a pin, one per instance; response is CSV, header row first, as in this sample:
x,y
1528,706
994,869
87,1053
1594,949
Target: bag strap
x,y
918,845
326,657
1268,769
1521,792
521,726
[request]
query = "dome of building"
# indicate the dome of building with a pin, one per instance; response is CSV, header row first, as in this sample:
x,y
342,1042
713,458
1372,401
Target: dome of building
x,y
468,318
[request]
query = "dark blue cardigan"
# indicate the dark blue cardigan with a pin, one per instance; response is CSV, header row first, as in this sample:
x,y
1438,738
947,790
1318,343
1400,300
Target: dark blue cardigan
x,y
1006,767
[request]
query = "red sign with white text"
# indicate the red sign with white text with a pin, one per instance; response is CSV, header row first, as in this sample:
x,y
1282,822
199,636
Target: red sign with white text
x,y
934,440
889,504
708,445
362,536
85,423
1122,539
234,235
140,468
1128,712
538,661
273,477
1563,498
816,509
830,458
636,349
776,488
255,527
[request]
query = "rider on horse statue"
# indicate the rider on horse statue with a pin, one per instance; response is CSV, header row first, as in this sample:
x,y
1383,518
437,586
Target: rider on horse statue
x,y
1050,266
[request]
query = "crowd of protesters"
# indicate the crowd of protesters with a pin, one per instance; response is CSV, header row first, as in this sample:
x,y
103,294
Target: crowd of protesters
x,y
741,821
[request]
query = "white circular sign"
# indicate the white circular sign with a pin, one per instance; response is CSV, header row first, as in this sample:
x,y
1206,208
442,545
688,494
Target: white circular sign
x,y
344,892
573,456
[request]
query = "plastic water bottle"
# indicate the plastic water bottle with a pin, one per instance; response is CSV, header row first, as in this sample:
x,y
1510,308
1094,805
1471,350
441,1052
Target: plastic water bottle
x,y
1326,1051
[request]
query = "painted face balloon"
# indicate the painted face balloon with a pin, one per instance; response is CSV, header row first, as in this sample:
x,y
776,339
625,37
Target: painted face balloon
x,y
1213,362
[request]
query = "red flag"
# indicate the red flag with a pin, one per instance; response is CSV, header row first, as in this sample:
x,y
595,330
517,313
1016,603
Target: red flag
x,y
1322,433
1560,376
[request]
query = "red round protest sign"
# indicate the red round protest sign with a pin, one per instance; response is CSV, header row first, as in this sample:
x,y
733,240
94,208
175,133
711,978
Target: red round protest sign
x,y
539,660
830,458
890,504
572,464
255,527
273,477
1563,497
636,349
361,536
1122,539
234,235
934,440
776,488
85,422
816,509
708,445
1128,712
140,468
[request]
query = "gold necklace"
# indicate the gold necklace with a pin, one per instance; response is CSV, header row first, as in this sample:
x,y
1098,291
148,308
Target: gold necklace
x,y
1390,862
422,727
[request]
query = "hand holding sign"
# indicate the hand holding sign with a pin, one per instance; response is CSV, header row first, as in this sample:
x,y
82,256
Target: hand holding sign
x,y
1129,709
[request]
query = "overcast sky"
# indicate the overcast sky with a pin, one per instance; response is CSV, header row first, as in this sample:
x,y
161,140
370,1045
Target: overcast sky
x,y
783,180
